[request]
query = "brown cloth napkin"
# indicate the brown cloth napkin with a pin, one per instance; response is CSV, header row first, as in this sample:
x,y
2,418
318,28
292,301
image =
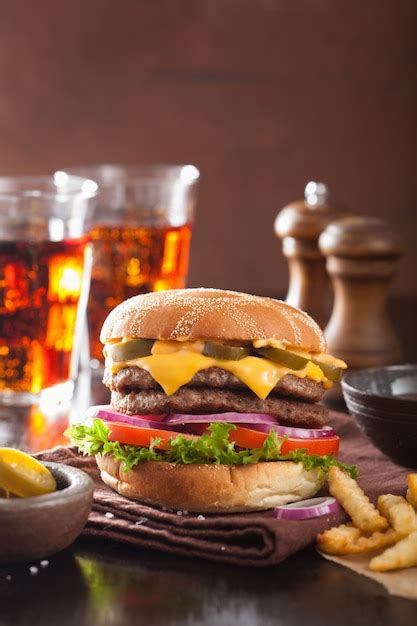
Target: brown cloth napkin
x,y
251,539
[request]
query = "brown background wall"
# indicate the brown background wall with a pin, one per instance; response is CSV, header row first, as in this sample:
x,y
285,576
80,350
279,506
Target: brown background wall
x,y
262,95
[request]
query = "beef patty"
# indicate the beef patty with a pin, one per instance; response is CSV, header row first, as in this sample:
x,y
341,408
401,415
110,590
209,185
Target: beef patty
x,y
134,378
207,400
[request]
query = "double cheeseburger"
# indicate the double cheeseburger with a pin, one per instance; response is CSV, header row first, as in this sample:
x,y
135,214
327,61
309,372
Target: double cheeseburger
x,y
214,402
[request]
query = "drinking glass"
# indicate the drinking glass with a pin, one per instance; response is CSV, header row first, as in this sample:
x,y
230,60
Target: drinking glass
x,y
45,267
141,236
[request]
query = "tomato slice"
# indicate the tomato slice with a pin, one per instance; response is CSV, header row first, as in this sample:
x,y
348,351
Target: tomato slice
x,y
248,438
135,436
327,445
243,437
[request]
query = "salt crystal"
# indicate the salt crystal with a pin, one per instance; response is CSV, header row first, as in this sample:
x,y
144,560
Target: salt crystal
x,y
141,520
223,548
8,577
164,508
33,570
109,515
200,517
179,512
185,512
44,563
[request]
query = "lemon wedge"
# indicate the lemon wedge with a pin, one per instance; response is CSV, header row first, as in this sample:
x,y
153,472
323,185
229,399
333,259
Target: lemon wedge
x,y
22,475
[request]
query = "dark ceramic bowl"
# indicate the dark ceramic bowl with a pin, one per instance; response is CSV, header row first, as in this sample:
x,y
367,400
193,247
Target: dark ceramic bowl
x,y
384,403
33,528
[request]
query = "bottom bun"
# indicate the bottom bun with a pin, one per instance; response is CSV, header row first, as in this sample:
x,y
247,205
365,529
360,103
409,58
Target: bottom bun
x,y
212,488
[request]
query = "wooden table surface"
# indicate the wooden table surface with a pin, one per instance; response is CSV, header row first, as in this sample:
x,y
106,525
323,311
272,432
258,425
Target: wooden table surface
x,y
94,583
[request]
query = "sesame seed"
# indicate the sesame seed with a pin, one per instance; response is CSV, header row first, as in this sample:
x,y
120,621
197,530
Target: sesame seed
x,y
44,563
109,515
33,570
200,517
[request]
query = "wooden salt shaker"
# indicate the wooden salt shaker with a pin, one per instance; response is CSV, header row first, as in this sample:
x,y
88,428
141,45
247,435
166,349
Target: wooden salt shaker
x,y
362,253
299,225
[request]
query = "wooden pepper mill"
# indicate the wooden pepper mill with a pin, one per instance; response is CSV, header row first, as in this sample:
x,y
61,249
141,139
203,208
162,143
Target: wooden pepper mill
x,y
299,225
361,257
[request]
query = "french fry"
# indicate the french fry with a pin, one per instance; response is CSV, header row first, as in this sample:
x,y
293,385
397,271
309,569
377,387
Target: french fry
x,y
395,515
403,554
344,540
356,504
376,541
412,490
338,540
399,513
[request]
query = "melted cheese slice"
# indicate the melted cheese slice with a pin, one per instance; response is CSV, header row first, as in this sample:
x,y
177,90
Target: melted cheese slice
x,y
172,370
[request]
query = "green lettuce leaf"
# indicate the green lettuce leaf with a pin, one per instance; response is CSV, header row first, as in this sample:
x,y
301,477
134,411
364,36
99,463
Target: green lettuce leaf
x,y
212,447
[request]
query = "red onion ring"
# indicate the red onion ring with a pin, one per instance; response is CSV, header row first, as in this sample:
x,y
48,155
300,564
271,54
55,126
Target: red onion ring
x,y
107,414
232,418
195,429
256,421
293,431
307,509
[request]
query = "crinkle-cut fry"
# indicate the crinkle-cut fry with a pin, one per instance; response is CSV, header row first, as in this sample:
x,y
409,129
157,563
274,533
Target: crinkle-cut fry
x,y
376,541
350,540
403,554
399,513
412,490
355,502
338,540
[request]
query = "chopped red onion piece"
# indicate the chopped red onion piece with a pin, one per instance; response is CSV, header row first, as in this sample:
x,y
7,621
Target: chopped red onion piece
x,y
306,509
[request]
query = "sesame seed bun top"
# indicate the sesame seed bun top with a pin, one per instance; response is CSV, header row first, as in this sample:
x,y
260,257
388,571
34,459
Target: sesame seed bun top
x,y
191,314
